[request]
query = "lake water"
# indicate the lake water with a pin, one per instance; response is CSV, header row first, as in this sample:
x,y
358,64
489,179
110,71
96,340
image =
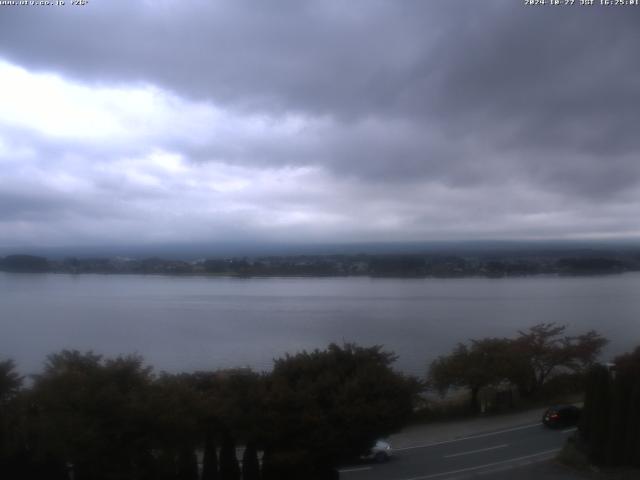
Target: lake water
x,y
188,323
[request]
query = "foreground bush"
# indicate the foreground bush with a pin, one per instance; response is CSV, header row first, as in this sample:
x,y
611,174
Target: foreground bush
x,y
610,425
97,418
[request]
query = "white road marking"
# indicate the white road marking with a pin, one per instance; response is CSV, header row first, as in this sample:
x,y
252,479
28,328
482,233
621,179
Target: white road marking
x,y
569,430
471,437
476,451
478,467
360,469
491,471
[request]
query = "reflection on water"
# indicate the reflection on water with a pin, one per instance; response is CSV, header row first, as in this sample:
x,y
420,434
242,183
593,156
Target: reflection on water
x,y
190,323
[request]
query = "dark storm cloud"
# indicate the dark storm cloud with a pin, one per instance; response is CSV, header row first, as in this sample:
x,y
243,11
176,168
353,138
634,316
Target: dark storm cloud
x,y
321,56
404,99
364,58
565,80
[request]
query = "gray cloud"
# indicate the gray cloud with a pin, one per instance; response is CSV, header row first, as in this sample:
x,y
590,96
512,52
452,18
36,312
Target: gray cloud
x,y
438,113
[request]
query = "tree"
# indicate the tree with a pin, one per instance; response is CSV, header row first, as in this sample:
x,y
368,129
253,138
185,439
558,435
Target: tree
x,y
210,458
483,363
92,413
250,464
229,468
327,406
527,361
10,454
175,412
627,384
543,350
187,464
269,470
232,400
10,381
610,423
619,412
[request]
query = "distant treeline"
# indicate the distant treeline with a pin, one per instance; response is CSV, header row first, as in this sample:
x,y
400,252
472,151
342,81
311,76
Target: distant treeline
x,y
577,262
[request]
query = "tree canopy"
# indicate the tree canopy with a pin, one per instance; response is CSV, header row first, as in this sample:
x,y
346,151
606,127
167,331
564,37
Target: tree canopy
x,y
527,361
545,349
484,362
100,418
610,424
10,381
333,404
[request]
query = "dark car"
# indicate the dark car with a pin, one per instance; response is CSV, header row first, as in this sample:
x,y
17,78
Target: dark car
x,y
561,416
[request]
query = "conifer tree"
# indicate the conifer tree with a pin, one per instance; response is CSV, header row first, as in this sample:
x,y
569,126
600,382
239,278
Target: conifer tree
x,y
250,464
597,412
187,464
267,471
210,459
229,468
633,433
616,434
166,465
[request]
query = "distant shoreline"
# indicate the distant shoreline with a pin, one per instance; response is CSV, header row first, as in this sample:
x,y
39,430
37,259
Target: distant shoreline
x,y
309,277
504,265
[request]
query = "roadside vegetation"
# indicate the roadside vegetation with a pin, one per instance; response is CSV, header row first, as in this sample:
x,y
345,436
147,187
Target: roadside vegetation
x,y
113,418
607,443
539,364
88,417
542,365
609,432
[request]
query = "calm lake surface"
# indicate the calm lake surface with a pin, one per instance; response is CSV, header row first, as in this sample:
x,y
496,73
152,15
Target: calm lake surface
x,y
188,323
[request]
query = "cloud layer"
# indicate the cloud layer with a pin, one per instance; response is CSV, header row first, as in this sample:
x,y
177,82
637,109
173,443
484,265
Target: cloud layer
x,y
146,122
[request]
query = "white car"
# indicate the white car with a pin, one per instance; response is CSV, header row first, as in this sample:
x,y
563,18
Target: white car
x,y
380,452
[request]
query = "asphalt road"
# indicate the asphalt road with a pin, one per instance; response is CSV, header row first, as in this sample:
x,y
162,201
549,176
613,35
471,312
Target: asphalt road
x,y
484,454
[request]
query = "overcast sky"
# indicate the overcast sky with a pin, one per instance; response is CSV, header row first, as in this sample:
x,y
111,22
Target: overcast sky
x,y
149,122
